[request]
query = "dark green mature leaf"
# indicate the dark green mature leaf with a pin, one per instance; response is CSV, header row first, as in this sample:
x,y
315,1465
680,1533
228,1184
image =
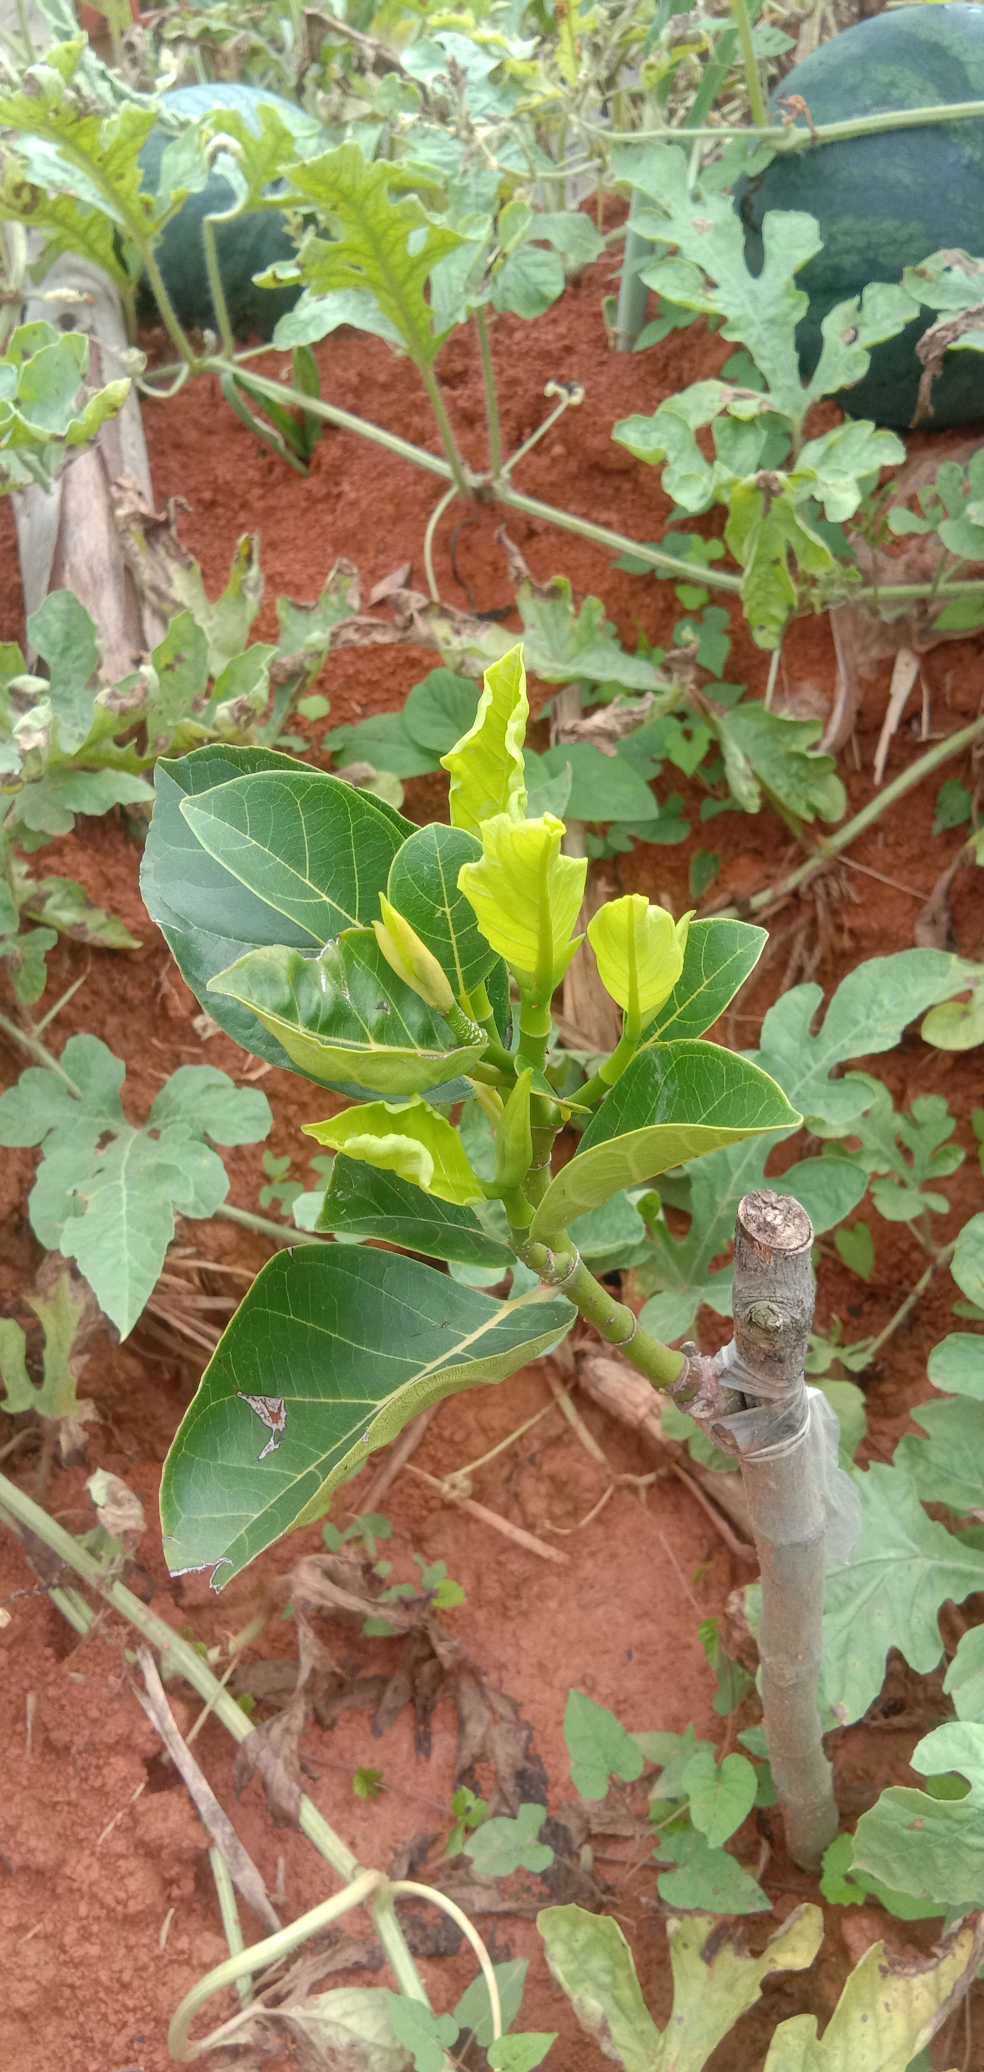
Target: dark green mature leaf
x,y
345,1019
902,1571
439,710
718,957
676,1101
361,1201
423,886
210,917
313,848
332,1352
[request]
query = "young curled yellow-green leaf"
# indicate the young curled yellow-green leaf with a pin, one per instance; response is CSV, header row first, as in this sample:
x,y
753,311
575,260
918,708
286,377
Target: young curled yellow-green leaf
x,y
514,1137
407,1138
410,958
639,950
526,897
486,767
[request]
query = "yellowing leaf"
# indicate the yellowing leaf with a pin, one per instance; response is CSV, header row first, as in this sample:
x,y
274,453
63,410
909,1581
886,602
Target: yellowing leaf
x,y
527,896
410,958
486,765
408,1139
639,949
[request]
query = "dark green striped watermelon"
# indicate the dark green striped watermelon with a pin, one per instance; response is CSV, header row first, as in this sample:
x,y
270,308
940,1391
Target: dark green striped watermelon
x,y
247,246
886,202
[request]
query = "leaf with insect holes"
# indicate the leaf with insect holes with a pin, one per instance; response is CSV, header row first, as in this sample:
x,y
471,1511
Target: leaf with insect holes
x,y
526,897
210,917
423,887
564,645
408,1139
781,753
598,1747
345,1019
721,1794
902,1571
900,2003
361,1201
356,1343
63,904
486,765
385,245
675,1101
715,1982
501,1846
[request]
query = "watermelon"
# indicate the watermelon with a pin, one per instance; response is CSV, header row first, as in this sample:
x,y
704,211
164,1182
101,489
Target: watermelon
x,y
886,202
247,246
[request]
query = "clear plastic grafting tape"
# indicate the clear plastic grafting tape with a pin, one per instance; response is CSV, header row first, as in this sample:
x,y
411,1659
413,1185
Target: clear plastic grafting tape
x,y
790,1455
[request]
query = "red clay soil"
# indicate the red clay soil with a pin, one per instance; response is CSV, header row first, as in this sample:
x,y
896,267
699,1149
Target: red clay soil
x,y
107,1908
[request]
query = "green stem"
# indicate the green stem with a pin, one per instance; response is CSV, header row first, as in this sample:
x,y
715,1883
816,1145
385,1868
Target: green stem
x,y
216,284
39,1051
614,1321
535,1026
833,845
793,139
491,393
572,397
272,1950
603,536
914,1296
196,1671
753,78
611,1071
225,1893
282,1233
345,420
459,472
501,492
633,294
443,504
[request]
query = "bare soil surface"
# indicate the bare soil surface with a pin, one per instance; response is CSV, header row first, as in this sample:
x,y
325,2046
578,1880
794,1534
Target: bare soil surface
x,y
107,1907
